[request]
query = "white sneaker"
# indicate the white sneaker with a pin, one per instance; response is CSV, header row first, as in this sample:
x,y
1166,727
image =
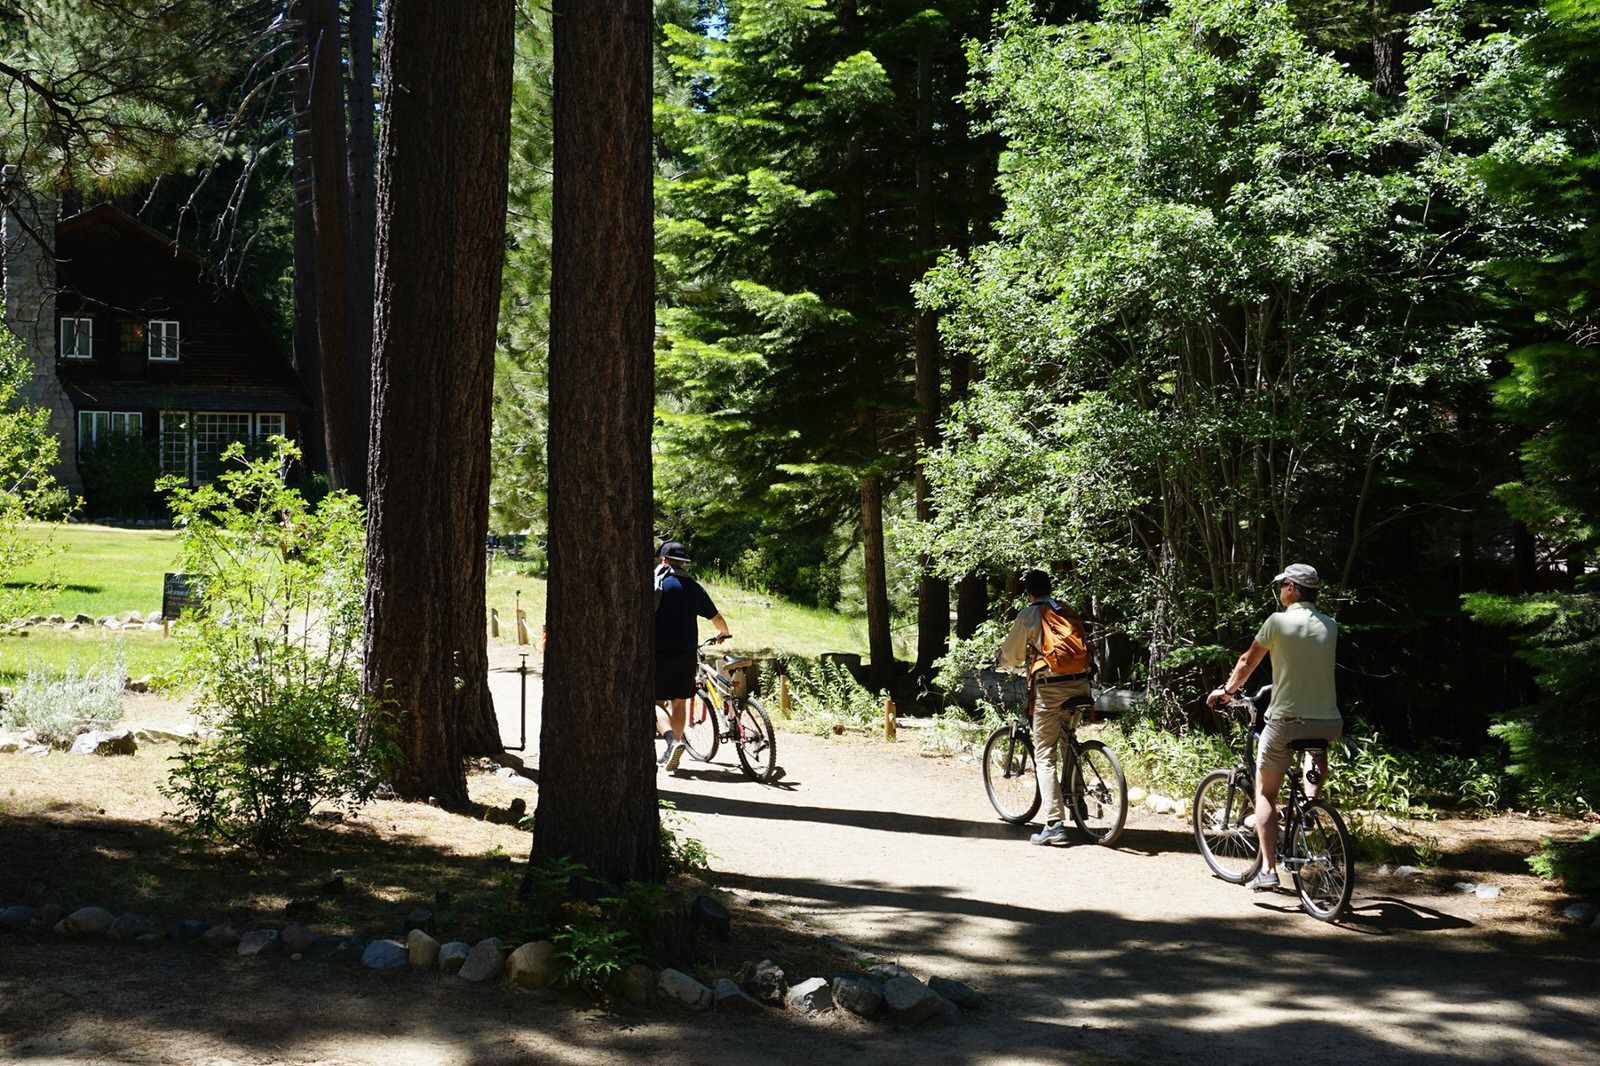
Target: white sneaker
x,y
674,757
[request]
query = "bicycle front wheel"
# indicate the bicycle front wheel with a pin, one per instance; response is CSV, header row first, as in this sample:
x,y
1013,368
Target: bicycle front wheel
x,y
1008,774
1221,804
1322,860
700,731
1098,793
755,741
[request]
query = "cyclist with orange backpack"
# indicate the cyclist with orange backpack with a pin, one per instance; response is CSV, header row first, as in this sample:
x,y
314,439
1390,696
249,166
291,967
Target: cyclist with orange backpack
x,y
1050,639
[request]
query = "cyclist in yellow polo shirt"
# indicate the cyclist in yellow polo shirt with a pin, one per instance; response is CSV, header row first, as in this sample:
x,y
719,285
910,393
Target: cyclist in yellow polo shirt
x,y
1301,641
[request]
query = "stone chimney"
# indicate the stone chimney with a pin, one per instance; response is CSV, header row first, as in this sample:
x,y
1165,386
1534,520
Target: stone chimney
x,y
30,308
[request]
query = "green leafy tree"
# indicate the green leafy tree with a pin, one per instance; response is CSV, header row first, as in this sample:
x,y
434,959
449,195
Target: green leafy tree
x,y
28,489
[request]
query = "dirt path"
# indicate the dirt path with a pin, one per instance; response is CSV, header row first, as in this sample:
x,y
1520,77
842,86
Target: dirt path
x,y
1086,954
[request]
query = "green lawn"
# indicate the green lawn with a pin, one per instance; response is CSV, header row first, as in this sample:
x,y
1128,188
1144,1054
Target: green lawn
x,y
143,652
102,570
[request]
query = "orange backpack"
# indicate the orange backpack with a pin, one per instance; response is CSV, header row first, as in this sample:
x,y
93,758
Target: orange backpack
x,y
1064,643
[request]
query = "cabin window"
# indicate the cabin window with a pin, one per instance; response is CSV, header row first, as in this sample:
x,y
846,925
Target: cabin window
x,y
176,448
163,340
213,432
96,426
77,338
269,425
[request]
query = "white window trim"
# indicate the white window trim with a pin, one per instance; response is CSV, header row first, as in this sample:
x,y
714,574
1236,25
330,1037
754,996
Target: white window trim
x,y
82,329
283,423
187,418
155,335
111,417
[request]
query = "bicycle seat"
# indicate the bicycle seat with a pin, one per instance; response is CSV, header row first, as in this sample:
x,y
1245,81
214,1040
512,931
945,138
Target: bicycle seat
x,y
1308,745
1080,701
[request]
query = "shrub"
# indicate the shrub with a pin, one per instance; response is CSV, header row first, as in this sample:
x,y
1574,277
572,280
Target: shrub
x,y
825,693
1575,863
273,653
119,477
57,705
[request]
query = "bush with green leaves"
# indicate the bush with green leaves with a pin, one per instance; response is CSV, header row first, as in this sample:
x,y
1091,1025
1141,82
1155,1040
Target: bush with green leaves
x,y
119,474
825,693
272,652
56,704
28,489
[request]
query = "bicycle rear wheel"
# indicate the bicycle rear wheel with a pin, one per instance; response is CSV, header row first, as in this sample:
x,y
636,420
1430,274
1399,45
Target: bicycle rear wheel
x,y
755,741
1221,804
1097,793
701,732
1008,774
1322,860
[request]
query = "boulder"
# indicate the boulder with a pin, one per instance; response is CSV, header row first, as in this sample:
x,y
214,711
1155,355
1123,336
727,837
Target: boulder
x,y
813,995
485,962
911,1002
956,992
130,927
452,956
19,919
534,965
860,996
258,942
421,949
187,931
296,939
153,616
684,990
337,949
1581,912
220,936
765,981
729,998
1487,892
710,916
385,955
636,982
87,921
1136,796
108,742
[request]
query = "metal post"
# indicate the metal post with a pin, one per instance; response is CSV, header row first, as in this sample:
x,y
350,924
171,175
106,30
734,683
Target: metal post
x,y
522,677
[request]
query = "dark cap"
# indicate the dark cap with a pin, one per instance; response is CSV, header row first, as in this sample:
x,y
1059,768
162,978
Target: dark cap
x,y
674,551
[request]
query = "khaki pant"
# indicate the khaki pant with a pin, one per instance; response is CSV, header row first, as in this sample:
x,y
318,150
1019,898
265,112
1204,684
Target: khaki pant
x,y
1280,732
1050,715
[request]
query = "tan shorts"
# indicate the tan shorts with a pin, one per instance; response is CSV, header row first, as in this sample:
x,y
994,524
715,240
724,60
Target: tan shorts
x,y
1280,732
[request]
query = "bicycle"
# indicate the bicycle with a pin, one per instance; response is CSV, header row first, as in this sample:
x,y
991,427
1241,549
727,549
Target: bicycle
x,y
722,709
1313,844
1093,786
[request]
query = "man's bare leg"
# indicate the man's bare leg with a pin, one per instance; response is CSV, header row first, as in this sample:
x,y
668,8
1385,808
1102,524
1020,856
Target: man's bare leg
x,y
663,720
1315,761
1267,786
680,717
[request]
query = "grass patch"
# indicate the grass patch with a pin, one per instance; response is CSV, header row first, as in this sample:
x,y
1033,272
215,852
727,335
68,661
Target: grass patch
x,y
53,650
102,570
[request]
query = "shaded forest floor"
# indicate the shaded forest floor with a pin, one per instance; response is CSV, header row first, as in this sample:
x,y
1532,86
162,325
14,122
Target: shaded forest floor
x,y
1086,954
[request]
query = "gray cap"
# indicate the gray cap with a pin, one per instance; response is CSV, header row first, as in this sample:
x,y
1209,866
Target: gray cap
x,y
1301,574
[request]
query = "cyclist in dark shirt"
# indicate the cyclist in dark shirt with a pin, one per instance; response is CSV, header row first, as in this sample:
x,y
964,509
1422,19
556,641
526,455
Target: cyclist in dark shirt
x,y
680,603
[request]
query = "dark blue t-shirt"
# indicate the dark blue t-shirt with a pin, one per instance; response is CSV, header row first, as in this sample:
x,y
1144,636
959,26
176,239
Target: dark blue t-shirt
x,y
682,599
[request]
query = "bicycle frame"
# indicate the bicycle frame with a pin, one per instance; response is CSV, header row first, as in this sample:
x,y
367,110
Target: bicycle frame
x,y
1292,807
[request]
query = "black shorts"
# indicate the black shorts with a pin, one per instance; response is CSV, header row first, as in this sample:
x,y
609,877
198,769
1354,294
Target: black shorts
x,y
675,674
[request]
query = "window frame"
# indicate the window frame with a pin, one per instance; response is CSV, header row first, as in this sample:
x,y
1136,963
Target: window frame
x,y
281,430
155,330
79,333
103,423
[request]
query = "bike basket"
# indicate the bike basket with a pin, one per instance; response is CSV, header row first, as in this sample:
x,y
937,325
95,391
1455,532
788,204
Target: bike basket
x,y
739,673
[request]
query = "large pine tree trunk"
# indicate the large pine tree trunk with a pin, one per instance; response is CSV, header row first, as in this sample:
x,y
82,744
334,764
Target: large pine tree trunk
x,y
363,178
307,356
441,223
597,796
933,593
344,378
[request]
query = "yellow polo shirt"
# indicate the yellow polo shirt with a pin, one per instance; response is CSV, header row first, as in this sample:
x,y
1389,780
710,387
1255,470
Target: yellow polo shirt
x,y
1301,640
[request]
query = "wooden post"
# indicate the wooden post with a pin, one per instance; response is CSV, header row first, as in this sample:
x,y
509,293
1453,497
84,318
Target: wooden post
x,y
784,706
494,623
888,719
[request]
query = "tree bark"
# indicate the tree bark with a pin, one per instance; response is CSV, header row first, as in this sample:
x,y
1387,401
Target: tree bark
x,y
307,356
441,222
597,795
363,178
345,378
880,637
933,593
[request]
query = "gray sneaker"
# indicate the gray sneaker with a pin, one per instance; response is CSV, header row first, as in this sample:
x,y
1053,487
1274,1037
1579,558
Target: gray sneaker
x,y
1264,882
1054,833
674,756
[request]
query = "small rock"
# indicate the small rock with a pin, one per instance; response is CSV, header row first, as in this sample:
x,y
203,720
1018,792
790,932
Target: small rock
x,y
884,971
87,921
684,990
1581,912
956,992
485,962
1136,796
147,938
422,949
812,995
505,772
111,742
910,1002
83,619
1162,805
636,982
19,919
534,965
1487,892
153,616
55,619
220,936
1465,887
1385,870
297,939
187,931
706,913
729,998
1410,871
258,942
337,949
765,981
452,956
385,955
130,927
420,918
111,623
858,995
